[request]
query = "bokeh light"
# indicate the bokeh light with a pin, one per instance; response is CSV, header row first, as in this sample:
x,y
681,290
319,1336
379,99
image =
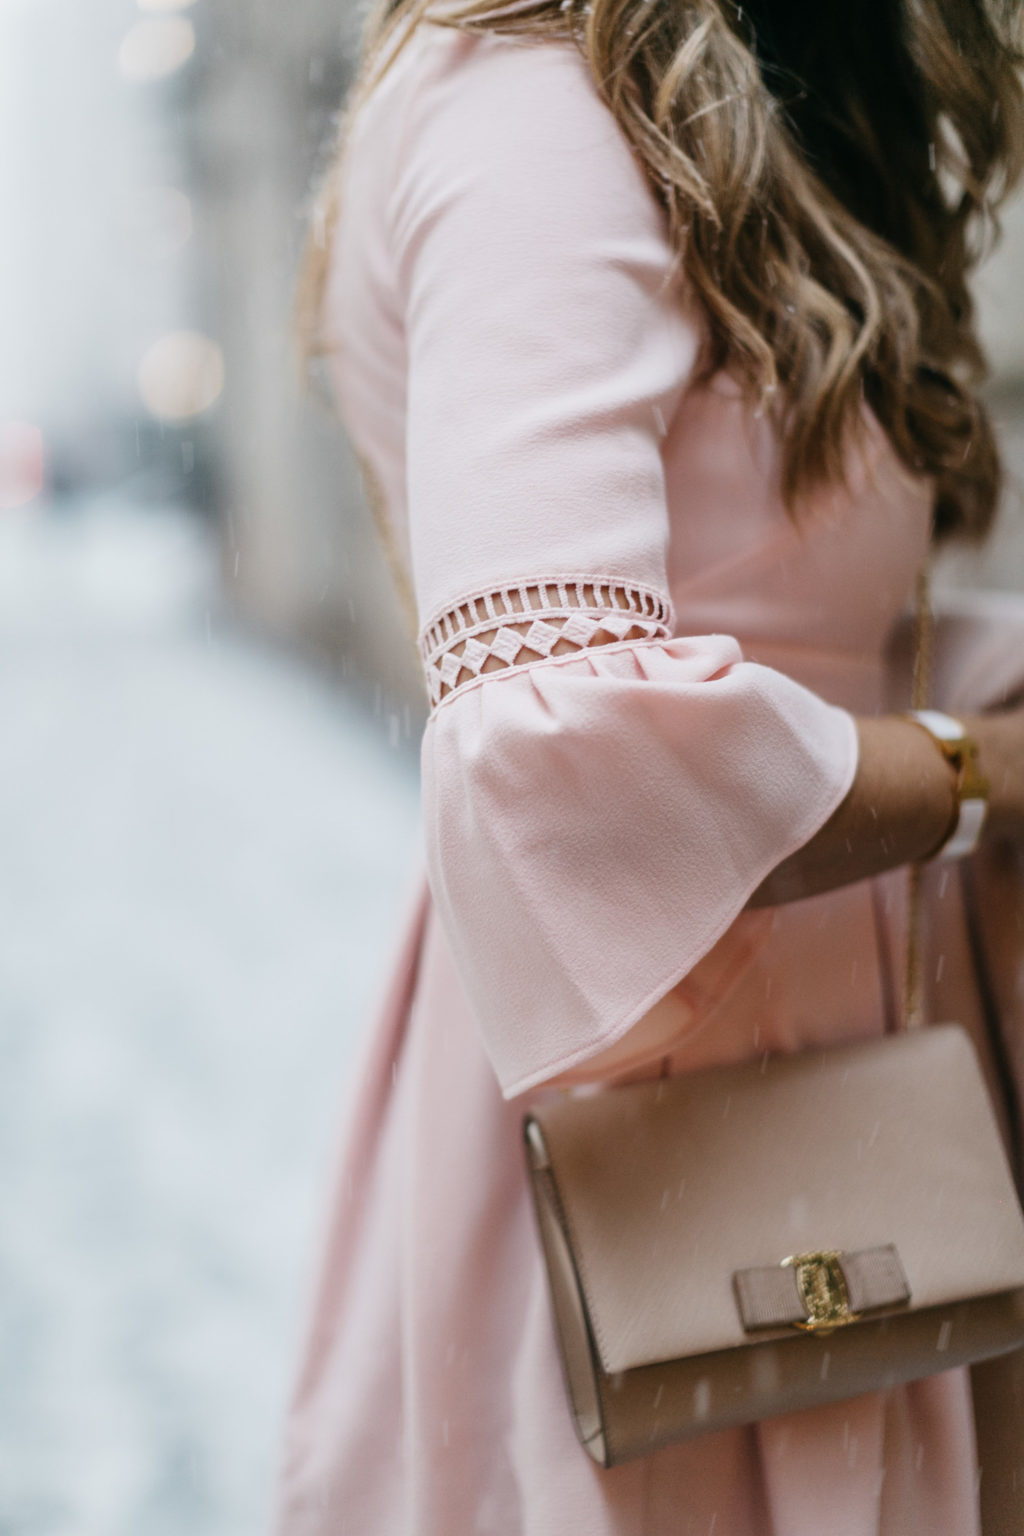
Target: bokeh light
x,y
22,464
181,375
161,218
156,47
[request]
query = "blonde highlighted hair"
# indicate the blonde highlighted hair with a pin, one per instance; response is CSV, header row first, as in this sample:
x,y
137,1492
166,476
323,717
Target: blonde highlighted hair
x,y
830,176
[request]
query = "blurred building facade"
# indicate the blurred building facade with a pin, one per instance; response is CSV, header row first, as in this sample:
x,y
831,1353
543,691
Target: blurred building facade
x,y
96,261
160,156
300,553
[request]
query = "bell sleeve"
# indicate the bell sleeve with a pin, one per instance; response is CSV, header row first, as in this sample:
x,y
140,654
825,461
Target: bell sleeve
x,y
601,796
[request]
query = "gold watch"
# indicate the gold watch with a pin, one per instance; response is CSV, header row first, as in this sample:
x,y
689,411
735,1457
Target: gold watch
x,y
972,788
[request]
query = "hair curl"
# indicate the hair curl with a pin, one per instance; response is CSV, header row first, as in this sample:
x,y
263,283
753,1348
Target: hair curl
x,y
830,176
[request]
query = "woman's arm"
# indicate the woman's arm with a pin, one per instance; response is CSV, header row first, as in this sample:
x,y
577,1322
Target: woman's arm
x,y
901,805
899,809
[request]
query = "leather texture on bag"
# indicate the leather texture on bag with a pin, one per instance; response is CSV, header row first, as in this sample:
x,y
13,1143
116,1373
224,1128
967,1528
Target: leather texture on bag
x,y
651,1198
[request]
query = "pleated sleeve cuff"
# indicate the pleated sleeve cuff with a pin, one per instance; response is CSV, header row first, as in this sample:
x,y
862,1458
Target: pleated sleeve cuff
x,y
596,822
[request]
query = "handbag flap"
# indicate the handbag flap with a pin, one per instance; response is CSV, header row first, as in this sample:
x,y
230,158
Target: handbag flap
x,y
670,1188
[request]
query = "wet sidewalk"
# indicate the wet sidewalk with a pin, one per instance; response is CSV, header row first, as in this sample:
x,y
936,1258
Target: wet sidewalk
x,y
205,849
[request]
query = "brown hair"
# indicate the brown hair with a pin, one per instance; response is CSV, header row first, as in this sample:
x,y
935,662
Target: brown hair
x,y
830,176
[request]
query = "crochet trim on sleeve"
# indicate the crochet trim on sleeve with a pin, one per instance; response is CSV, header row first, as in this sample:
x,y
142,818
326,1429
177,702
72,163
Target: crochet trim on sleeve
x,y
517,625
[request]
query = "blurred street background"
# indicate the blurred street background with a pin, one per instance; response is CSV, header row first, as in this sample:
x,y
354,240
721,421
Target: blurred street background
x,y
209,719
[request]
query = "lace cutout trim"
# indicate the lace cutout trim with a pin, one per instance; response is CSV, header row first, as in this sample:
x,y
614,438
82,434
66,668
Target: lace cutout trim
x,y
516,625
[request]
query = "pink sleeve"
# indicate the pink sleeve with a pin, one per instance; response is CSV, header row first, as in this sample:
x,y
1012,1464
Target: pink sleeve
x,y
596,820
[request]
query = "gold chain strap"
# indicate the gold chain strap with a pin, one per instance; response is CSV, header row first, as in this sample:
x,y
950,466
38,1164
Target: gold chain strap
x,y
920,688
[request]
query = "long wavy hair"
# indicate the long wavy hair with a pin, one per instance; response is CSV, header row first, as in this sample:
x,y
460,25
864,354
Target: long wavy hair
x,y
830,176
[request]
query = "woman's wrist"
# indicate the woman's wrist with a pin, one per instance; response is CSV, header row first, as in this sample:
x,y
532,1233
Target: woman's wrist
x,y
903,804
916,783
959,750
898,811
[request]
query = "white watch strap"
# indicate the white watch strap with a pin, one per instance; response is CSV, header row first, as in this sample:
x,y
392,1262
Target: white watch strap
x,y
940,725
973,809
967,832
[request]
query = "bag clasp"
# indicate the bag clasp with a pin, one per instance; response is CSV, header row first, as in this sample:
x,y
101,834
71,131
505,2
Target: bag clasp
x,y
822,1287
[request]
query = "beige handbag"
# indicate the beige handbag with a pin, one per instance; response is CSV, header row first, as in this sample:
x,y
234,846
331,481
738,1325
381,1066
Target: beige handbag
x,y
744,1241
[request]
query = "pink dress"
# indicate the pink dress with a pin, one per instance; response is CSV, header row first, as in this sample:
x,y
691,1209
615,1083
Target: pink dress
x,y
516,362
